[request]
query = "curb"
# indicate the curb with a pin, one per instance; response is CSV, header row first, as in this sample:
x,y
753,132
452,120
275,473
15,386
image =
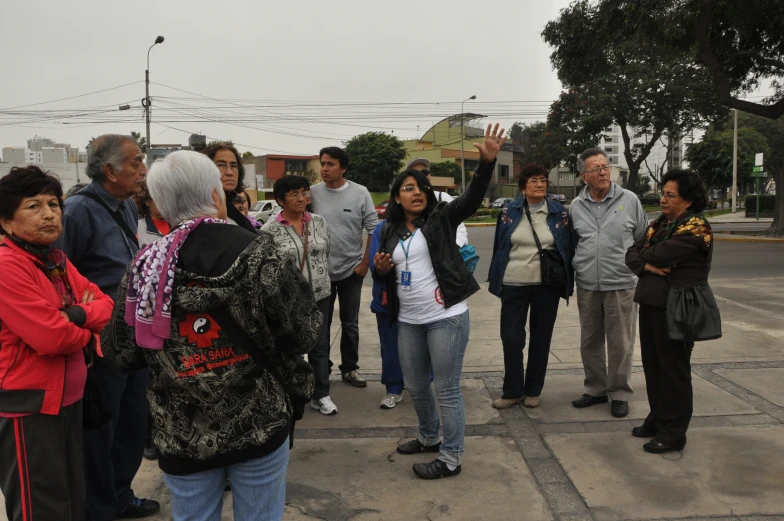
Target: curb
x,y
729,238
478,225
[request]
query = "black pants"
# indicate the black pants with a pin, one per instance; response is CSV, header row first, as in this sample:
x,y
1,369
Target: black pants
x,y
42,466
349,293
113,454
668,379
318,358
515,302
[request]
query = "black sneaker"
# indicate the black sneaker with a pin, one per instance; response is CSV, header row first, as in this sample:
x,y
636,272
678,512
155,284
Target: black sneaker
x,y
140,508
414,447
436,469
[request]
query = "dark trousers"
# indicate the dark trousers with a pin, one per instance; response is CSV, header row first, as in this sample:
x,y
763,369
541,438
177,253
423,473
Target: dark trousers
x,y
349,292
391,373
42,466
515,303
113,453
319,355
667,377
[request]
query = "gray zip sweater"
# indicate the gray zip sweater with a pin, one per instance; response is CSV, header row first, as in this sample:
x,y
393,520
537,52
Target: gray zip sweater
x,y
603,233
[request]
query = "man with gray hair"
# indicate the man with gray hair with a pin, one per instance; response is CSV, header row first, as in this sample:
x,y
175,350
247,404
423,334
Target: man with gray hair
x,y
607,219
99,238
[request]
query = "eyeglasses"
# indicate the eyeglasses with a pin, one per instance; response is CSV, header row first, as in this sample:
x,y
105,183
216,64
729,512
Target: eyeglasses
x,y
411,188
598,169
223,166
537,181
669,196
297,195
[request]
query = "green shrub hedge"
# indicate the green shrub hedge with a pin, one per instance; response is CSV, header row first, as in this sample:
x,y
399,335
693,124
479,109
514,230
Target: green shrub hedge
x,y
488,212
767,203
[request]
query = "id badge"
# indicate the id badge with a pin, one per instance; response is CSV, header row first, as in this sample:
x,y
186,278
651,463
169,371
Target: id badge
x,y
405,280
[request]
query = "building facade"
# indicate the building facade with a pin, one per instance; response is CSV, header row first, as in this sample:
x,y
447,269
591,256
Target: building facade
x,y
271,167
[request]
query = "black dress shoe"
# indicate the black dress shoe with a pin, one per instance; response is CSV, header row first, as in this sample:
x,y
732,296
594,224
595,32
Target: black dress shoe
x,y
587,400
415,447
656,447
140,508
619,409
151,453
435,469
639,432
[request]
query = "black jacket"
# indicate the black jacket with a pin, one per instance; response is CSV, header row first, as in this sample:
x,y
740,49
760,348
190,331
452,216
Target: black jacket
x,y
687,253
439,227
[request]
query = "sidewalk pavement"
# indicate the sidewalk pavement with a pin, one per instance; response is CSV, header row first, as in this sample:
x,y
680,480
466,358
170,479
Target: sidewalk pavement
x,y
554,462
739,217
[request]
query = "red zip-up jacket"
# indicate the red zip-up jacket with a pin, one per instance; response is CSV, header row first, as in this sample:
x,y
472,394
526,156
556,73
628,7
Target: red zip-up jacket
x,y
35,338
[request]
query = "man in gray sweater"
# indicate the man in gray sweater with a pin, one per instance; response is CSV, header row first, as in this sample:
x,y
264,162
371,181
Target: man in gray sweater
x,y
348,209
607,219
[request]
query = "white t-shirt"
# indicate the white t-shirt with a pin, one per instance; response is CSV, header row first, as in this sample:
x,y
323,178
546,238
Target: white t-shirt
x,y
461,233
423,303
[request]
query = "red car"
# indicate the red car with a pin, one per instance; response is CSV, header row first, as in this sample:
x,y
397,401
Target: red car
x,y
381,209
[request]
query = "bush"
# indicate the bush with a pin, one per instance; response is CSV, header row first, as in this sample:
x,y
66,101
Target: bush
x,y
650,201
767,203
488,212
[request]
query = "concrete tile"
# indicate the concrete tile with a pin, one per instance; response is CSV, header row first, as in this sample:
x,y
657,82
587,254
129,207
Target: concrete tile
x,y
738,345
722,472
561,389
322,479
768,383
359,408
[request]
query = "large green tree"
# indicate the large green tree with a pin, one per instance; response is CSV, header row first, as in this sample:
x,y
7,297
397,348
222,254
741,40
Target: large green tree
x,y
448,169
374,159
737,44
646,91
541,144
141,141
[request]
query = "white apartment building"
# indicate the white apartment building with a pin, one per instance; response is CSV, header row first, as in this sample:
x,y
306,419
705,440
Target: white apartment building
x,y
612,144
54,155
15,155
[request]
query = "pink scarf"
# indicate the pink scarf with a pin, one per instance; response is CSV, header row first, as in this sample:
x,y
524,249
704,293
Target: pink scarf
x,y
150,282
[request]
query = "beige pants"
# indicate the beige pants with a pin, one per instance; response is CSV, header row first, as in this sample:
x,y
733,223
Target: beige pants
x,y
611,315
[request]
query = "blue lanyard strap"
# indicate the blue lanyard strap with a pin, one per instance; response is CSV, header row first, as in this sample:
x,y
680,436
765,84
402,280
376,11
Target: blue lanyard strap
x,y
403,246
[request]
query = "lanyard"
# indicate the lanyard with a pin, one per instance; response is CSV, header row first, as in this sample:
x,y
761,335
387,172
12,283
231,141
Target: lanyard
x,y
406,250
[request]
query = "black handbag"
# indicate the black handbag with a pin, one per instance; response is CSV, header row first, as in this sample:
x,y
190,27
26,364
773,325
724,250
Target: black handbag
x,y
552,265
692,313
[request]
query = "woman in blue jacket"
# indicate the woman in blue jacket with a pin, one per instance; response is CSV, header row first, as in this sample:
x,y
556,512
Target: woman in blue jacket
x,y
516,277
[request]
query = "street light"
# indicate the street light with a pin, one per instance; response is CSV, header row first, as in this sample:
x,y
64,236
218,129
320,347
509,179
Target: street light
x,y
147,95
462,142
735,163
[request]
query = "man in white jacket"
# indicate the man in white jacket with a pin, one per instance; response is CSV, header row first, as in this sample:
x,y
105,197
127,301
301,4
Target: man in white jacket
x,y
423,165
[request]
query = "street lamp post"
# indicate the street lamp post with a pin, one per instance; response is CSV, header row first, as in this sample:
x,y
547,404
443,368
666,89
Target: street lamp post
x,y
147,95
462,141
735,163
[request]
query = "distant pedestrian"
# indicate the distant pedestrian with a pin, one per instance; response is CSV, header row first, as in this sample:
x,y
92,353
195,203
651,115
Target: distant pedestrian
x,y
427,284
607,219
349,211
99,236
525,227
676,250
50,316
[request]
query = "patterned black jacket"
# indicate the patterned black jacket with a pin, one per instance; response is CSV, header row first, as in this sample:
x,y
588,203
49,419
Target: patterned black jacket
x,y
212,406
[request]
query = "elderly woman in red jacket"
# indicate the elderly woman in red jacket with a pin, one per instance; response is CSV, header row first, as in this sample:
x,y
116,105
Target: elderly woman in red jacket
x,y
50,316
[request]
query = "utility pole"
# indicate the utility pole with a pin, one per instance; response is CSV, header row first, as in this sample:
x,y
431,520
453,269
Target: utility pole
x,y
735,164
158,40
462,142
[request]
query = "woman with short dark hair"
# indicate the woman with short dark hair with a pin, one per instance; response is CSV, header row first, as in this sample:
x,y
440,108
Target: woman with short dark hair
x,y
229,162
676,251
525,227
50,316
427,284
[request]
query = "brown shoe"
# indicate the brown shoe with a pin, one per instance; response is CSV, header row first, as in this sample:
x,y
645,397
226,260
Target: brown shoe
x,y
505,403
532,402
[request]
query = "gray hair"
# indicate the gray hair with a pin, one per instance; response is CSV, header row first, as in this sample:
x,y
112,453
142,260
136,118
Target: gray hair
x,y
106,149
181,185
589,152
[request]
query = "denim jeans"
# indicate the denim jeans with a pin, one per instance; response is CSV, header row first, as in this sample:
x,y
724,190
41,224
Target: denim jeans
x,y
515,302
318,358
258,489
349,292
440,345
391,373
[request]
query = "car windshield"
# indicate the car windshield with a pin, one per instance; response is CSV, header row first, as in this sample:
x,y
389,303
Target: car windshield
x,y
257,206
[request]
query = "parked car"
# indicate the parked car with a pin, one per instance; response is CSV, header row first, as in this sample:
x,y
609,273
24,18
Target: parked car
x,y
559,198
263,210
381,209
501,202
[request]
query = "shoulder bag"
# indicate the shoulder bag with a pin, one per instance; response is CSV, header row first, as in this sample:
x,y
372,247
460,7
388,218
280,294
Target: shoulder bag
x,y
692,313
552,265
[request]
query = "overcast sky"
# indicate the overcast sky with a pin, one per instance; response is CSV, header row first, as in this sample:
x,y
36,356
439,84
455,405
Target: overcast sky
x,y
282,68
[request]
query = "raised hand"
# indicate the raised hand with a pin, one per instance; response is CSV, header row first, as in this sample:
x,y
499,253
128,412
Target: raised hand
x,y
494,140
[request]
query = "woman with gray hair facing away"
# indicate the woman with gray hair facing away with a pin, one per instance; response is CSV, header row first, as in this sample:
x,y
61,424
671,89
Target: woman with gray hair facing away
x,y
220,318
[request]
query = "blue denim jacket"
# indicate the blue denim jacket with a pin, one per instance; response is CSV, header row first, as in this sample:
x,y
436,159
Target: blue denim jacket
x,y
560,225
379,287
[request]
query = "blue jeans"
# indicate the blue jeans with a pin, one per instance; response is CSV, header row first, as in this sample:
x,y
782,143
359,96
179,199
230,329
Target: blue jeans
x,y
258,489
440,345
391,373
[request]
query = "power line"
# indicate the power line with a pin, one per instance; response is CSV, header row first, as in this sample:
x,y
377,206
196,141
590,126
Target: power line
x,y
73,97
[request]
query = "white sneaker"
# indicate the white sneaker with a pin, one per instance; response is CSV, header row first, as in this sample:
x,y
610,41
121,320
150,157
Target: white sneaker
x,y
325,406
390,400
